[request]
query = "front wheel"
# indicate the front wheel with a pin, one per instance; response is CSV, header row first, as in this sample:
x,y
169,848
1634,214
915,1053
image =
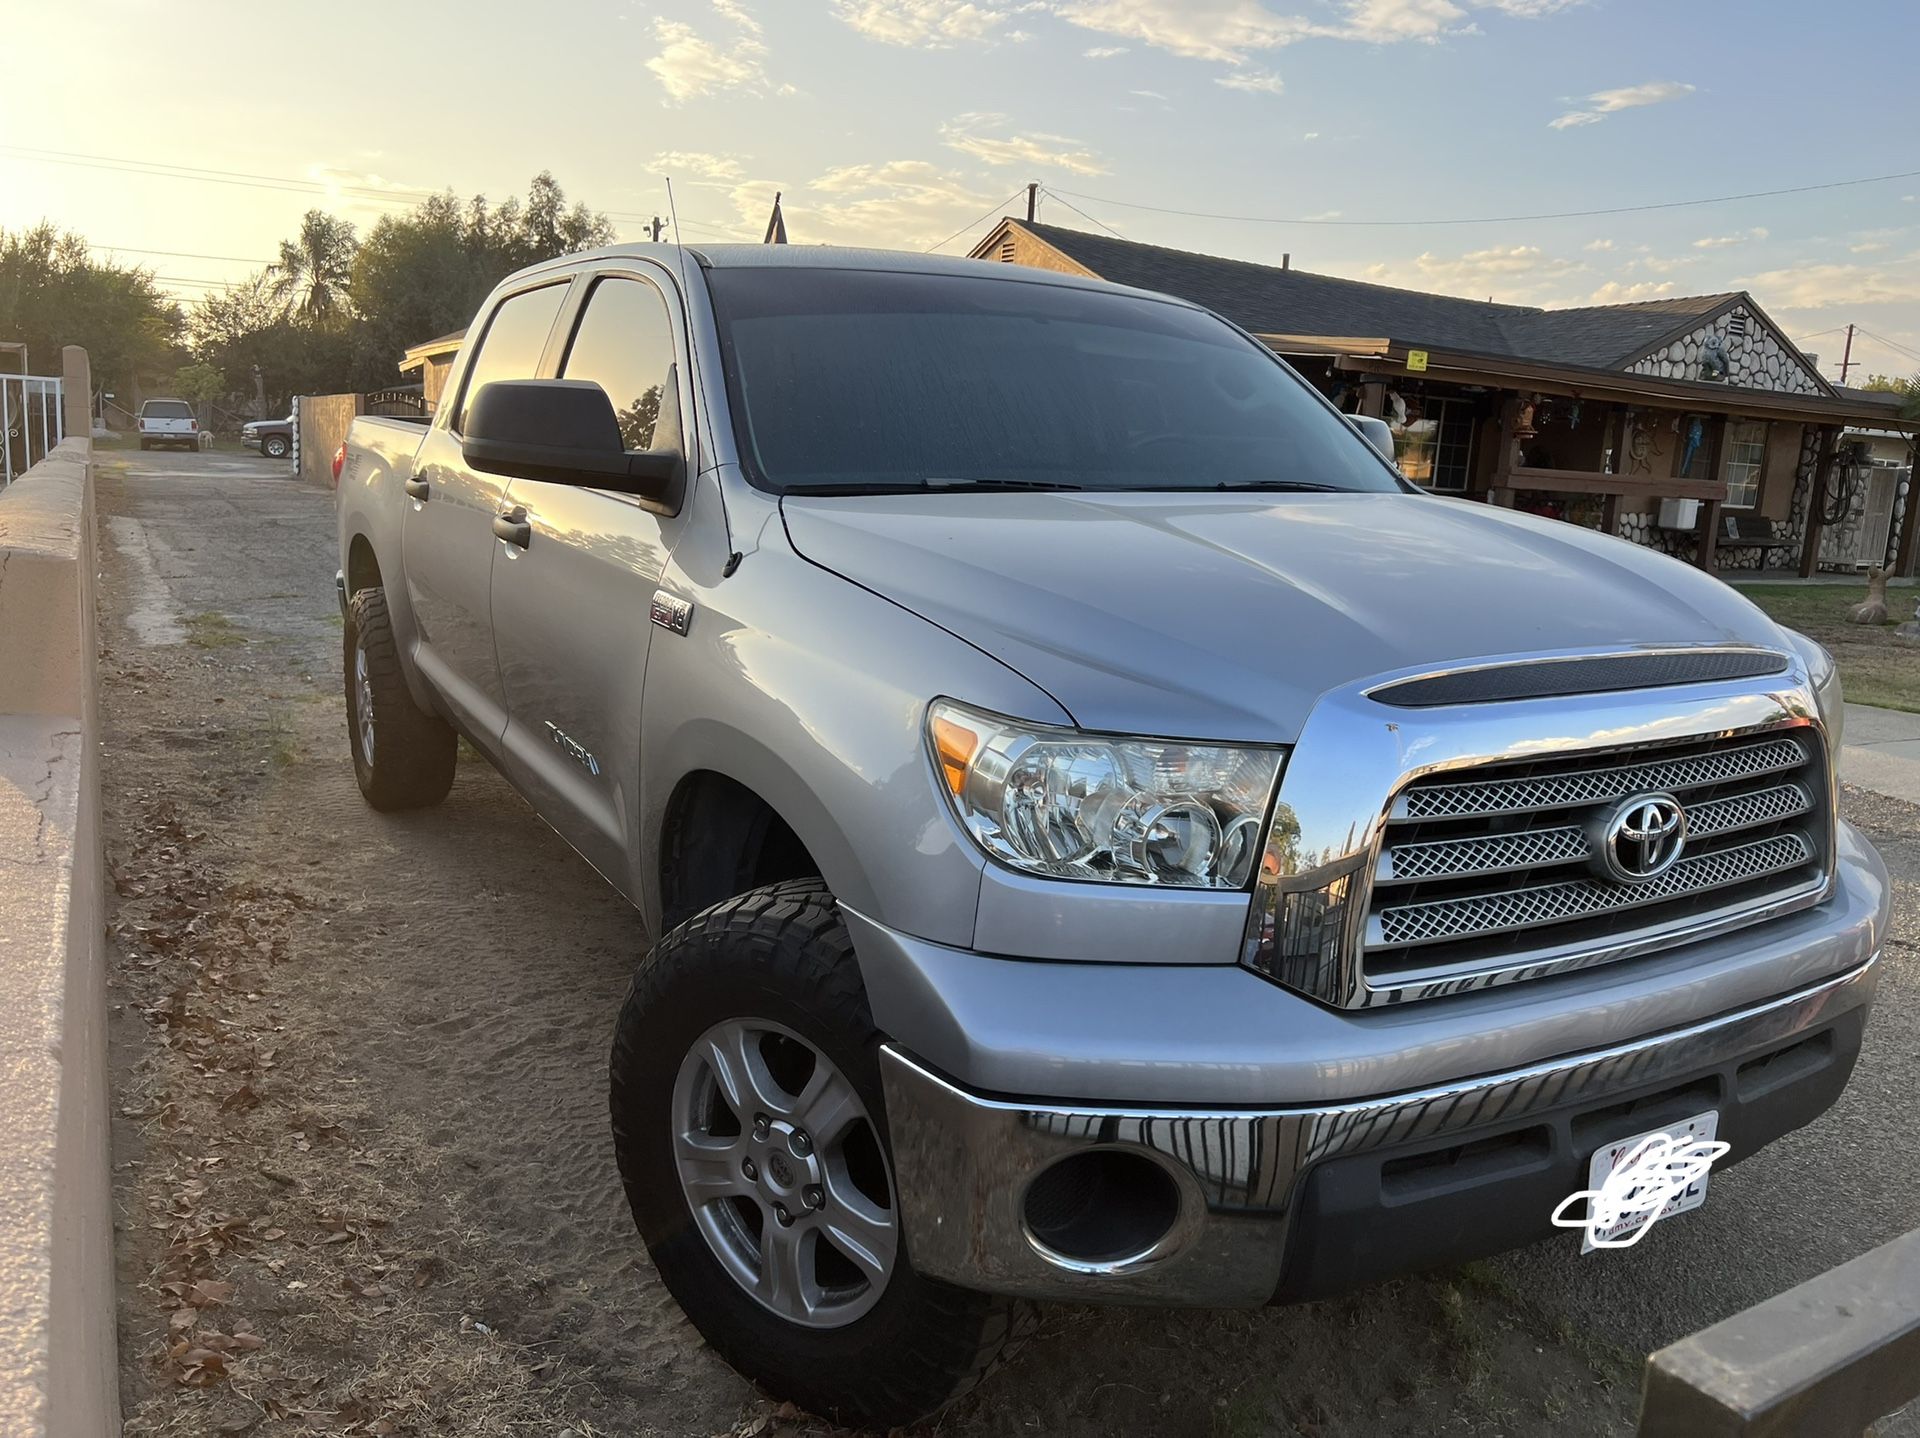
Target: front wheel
x,y
274,446
403,757
751,1134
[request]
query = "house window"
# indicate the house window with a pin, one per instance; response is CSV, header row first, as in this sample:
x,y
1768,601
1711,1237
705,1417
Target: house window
x,y
1746,462
1434,446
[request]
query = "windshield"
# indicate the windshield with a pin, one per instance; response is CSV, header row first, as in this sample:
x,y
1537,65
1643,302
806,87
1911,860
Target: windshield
x,y
854,380
166,409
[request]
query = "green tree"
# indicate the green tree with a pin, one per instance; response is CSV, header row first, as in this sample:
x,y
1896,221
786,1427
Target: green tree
x,y
315,267
200,383
1908,389
54,293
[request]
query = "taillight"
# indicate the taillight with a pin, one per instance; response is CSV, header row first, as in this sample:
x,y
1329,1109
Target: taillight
x,y
193,424
339,461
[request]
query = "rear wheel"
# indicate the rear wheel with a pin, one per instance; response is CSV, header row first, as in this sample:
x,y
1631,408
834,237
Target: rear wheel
x,y
751,1133
403,757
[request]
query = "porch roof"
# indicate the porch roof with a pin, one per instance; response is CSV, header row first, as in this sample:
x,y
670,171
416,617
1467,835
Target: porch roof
x,y
1387,357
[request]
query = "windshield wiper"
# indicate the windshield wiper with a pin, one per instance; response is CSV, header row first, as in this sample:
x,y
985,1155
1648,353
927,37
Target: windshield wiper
x,y
935,486
1285,486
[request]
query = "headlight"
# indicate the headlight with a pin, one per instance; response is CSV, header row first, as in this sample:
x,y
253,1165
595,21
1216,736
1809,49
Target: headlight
x,y
1825,675
1085,806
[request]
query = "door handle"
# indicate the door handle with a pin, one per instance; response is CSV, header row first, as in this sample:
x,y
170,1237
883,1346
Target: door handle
x,y
512,526
418,489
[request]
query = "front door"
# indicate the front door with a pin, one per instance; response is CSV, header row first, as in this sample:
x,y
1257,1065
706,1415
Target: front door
x,y
571,609
447,536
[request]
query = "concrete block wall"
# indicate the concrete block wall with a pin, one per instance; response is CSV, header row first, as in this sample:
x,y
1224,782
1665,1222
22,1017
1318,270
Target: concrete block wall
x,y
57,1355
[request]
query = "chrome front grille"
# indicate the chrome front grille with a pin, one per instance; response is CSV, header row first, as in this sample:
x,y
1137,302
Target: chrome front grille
x,y
1497,865
1480,798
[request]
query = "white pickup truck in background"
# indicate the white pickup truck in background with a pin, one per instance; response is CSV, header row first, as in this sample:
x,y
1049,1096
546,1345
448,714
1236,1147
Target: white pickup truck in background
x,y
168,421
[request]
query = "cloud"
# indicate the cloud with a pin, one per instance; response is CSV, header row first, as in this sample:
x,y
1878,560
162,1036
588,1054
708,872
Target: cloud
x,y
1597,245
1104,52
904,204
1256,81
1817,287
1727,242
1513,273
1603,103
1230,31
1148,95
984,137
925,24
1615,293
1219,30
689,65
698,163
1311,135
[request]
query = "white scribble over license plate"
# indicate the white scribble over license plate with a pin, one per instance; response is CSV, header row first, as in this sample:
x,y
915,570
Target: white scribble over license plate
x,y
1702,1126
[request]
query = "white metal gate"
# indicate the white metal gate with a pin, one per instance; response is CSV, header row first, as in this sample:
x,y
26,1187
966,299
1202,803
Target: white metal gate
x,y
32,422
1861,538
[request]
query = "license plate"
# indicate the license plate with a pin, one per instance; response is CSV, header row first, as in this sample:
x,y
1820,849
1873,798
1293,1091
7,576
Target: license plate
x,y
1702,1127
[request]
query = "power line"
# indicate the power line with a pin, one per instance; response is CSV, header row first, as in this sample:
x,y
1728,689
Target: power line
x,y
216,177
1082,213
180,254
1495,219
1896,348
1000,205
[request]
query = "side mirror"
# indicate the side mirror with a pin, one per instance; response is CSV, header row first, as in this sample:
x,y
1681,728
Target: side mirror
x,y
1376,432
564,431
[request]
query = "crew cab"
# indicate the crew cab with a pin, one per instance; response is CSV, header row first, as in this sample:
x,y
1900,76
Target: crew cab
x,y
1109,837
167,421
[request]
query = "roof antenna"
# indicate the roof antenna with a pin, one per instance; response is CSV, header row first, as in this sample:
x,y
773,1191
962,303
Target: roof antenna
x,y
693,362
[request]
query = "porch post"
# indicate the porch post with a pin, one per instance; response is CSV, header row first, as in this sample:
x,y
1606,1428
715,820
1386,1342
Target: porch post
x,y
1706,538
1810,549
1903,558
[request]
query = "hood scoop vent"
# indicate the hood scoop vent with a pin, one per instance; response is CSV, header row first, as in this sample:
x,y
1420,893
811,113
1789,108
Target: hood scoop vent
x,y
1592,674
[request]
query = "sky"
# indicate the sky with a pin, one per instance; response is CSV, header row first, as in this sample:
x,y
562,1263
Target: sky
x,y
1250,128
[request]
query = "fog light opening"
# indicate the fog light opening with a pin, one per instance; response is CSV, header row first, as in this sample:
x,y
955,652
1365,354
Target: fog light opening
x,y
1101,1209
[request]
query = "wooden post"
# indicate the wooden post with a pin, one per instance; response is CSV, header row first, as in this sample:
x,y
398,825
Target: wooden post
x,y
1910,523
1816,497
1706,538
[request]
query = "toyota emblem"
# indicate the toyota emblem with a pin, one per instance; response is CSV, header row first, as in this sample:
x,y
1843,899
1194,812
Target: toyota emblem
x,y
1643,837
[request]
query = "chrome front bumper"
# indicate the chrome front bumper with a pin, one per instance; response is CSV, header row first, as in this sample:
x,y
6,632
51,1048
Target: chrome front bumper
x,y
963,1162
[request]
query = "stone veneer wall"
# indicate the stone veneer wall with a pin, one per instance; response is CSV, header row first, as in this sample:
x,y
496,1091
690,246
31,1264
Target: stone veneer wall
x,y
1759,359
1645,529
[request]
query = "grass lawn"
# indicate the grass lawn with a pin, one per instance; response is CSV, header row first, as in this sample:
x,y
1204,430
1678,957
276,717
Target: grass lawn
x,y
1875,668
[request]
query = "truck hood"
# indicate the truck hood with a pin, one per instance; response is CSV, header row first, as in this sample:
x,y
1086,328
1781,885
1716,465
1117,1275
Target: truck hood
x,y
1226,616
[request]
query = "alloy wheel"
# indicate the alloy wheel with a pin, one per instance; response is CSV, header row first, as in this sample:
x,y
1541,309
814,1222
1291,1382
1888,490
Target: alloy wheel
x,y
784,1173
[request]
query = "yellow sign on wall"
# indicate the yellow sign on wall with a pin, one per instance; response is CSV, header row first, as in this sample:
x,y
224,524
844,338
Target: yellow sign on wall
x,y
1416,359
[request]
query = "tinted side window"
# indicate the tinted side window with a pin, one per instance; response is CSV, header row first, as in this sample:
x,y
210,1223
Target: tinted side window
x,y
625,345
515,336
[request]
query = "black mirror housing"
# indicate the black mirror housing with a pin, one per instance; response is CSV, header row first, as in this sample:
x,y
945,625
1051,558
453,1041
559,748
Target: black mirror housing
x,y
564,431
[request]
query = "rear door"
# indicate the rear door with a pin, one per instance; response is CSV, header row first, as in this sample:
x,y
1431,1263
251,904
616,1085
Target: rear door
x,y
446,536
571,611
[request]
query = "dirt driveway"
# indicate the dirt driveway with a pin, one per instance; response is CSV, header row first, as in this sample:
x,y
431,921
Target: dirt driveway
x,y
363,1173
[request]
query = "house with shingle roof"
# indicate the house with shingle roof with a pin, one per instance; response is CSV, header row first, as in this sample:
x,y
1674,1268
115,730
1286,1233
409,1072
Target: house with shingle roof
x,y
1690,423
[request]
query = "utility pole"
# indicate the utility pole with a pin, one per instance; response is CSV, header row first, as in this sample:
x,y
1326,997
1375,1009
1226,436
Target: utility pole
x,y
1846,356
1033,194
657,226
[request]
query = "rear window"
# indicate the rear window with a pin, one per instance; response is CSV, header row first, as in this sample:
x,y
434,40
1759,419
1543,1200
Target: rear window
x,y
165,409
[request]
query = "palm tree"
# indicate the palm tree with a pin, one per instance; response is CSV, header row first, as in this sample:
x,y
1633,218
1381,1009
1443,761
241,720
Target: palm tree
x,y
312,272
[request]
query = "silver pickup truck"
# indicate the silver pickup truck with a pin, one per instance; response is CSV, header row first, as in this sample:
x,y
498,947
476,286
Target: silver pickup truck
x,y
1110,837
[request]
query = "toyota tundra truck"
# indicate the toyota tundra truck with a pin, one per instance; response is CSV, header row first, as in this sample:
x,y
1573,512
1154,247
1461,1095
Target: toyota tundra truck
x,y
1109,837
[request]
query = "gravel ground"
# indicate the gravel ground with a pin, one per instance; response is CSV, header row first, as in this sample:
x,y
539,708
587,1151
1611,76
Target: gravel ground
x,y
363,1174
